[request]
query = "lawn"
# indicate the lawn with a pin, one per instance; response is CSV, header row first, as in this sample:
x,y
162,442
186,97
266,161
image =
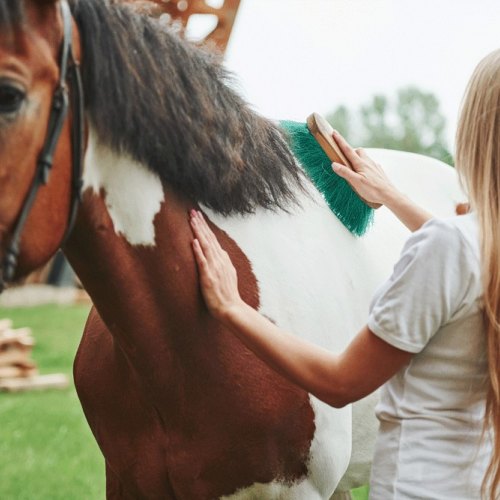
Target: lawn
x,y
46,448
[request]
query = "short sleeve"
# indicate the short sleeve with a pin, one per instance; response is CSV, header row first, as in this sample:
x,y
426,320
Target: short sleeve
x,y
426,288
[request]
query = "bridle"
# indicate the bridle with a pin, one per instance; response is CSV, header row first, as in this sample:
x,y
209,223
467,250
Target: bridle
x,y
62,100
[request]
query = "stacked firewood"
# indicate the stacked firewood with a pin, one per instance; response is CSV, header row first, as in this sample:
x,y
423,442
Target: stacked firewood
x,y
18,372
16,346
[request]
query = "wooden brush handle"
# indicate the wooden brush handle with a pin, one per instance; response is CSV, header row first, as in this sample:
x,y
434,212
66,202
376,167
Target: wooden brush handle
x,y
322,131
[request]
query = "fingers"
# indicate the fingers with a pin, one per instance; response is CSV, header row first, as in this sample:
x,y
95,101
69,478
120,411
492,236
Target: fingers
x,y
207,240
346,148
198,254
201,228
362,153
217,276
207,245
367,160
204,242
345,172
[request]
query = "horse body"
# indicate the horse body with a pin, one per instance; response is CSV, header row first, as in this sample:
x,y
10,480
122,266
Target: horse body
x,y
202,387
164,385
179,407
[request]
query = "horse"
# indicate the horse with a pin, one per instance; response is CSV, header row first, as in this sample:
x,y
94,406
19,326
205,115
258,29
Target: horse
x,y
178,406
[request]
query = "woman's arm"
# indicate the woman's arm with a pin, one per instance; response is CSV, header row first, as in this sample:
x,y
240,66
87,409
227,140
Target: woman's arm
x,y
370,181
337,379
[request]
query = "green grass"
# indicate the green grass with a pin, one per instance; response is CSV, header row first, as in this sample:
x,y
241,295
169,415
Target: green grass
x,y
46,448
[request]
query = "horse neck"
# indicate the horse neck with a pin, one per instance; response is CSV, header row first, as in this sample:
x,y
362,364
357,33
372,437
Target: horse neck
x,y
131,248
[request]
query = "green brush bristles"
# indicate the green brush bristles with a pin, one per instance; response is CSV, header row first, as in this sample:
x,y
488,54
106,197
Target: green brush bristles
x,y
355,214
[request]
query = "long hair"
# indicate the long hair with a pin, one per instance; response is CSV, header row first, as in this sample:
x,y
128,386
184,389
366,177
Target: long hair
x,y
478,164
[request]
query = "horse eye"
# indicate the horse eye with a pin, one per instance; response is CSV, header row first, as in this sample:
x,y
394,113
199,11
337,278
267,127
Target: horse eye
x,y
11,99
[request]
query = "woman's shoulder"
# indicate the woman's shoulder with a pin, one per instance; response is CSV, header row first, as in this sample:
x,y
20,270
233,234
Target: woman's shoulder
x,y
436,278
459,233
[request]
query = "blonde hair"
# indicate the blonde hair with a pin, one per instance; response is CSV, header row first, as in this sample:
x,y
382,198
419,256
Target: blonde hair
x,y
478,164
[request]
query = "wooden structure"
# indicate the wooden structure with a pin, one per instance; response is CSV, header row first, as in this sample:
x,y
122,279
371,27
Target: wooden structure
x,y
15,352
18,371
224,11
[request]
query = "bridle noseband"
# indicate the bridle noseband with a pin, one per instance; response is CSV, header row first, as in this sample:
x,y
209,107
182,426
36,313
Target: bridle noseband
x,y
62,100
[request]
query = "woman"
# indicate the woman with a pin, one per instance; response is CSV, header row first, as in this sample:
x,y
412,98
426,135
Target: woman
x,y
432,338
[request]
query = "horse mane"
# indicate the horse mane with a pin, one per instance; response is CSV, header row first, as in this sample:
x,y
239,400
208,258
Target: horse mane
x,y
11,15
169,105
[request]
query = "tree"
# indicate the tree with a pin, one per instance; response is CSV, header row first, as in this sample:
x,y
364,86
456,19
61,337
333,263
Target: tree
x,y
410,122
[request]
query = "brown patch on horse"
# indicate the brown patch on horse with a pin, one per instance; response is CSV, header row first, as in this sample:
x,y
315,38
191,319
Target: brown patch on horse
x,y
222,419
127,431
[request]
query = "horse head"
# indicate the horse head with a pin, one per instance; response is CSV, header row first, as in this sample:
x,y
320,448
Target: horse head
x,y
38,51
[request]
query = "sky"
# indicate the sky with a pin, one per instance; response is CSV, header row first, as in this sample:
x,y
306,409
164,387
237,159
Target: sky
x,y
293,57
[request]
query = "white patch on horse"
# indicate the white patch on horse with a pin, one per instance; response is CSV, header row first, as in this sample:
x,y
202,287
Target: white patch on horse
x,y
295,269
133,194
303,490
316,280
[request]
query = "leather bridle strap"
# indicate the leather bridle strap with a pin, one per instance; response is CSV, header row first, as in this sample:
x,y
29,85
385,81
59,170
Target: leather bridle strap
x,y
69,73
77,135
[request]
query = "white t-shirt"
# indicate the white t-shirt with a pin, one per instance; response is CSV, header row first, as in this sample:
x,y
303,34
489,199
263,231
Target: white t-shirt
x,y
431,412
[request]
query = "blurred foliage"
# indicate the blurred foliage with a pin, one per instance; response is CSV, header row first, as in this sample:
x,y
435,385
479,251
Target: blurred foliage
x,y
47,451
411,121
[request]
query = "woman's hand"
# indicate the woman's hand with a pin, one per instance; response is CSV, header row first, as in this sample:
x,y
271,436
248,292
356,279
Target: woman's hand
x,y
218,279
337,379
366,177
370,182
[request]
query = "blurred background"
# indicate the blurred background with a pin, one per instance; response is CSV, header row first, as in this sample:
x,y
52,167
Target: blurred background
x,y
386,73
390,73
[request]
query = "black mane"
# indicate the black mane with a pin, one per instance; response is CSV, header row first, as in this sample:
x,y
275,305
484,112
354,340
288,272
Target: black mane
x,y
168,104
11,14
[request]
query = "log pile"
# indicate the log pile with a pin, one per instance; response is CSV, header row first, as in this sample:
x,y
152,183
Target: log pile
x,y
15,351
18,371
